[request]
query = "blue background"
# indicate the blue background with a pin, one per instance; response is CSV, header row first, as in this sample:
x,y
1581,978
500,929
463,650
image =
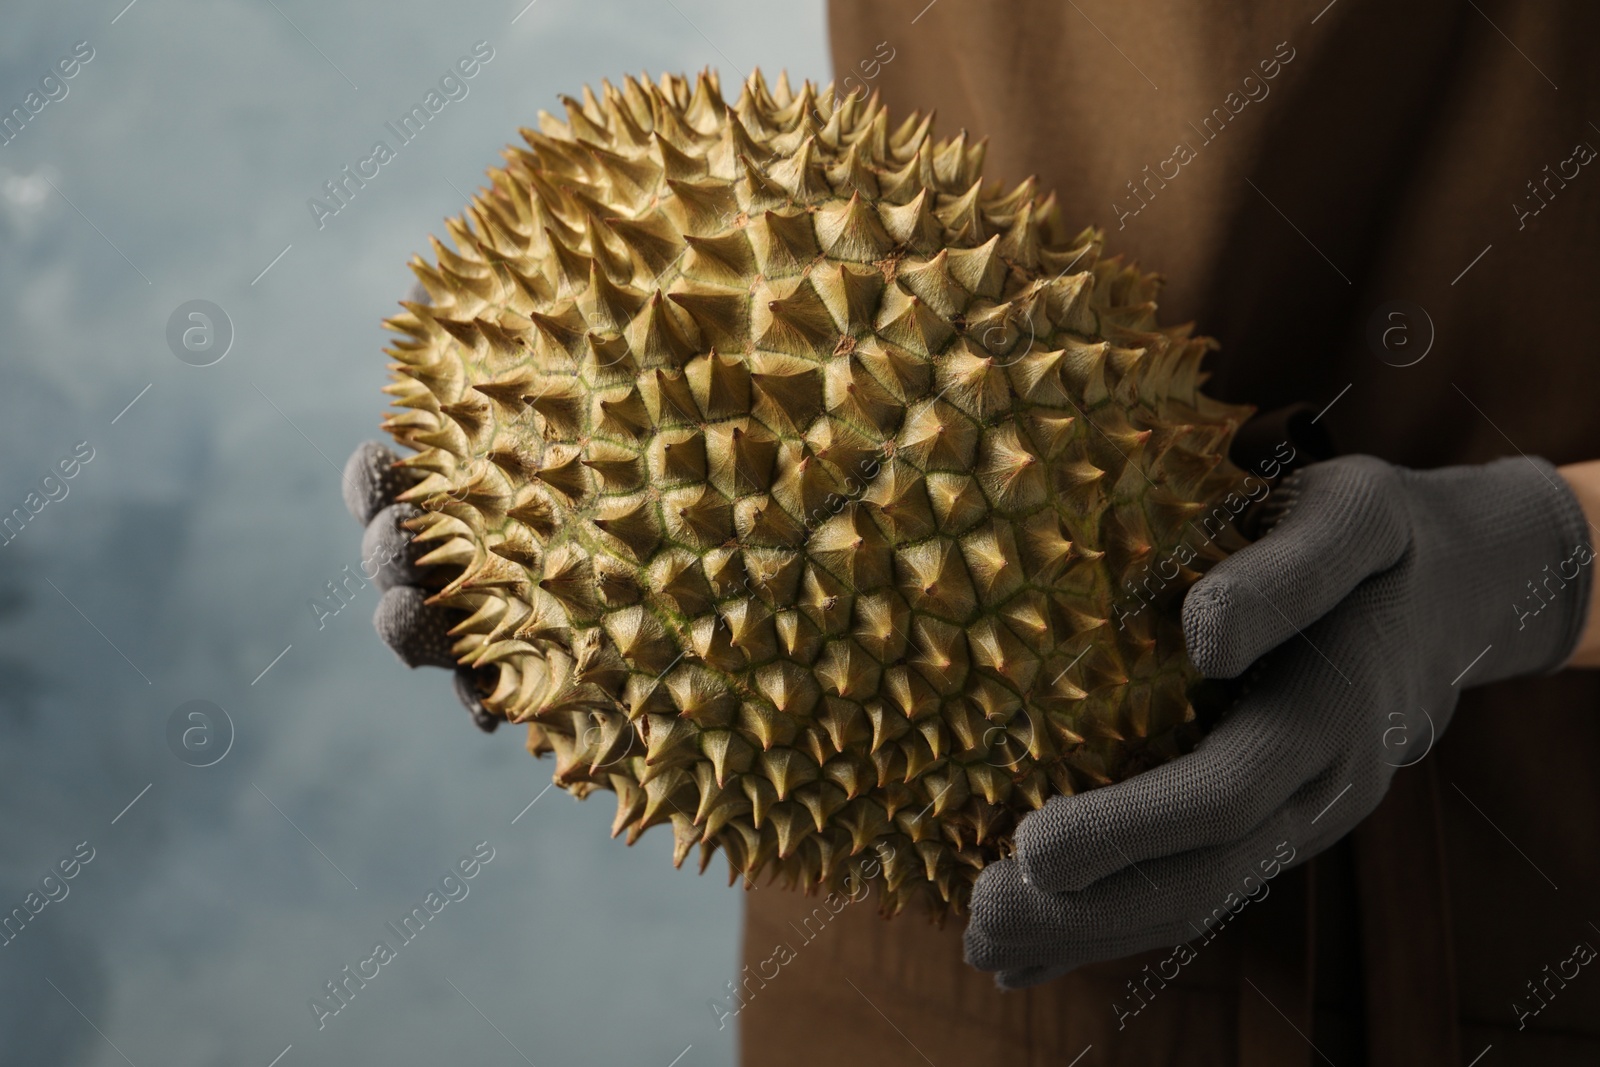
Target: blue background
x,y
176,168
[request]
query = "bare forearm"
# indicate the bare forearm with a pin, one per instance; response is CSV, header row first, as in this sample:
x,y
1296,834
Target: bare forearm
x,y
1584,479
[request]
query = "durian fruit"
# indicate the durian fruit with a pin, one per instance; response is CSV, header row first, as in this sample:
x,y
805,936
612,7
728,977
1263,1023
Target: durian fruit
x,y
802,489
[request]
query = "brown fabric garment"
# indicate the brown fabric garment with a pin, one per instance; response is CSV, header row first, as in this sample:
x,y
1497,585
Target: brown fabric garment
x,y
823,983
897,992
1411,990
1385,158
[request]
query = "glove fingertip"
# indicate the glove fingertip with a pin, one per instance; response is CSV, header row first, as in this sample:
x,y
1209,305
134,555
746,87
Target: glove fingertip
x,y
1212,628
390,548
981,953
414,630
371,481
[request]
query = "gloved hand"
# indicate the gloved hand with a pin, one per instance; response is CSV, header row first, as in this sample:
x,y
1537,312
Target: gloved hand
x,y
1376,598
413,629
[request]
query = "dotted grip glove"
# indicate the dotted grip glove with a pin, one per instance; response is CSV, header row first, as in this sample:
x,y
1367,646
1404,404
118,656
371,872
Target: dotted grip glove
x,y
1377,597
414,630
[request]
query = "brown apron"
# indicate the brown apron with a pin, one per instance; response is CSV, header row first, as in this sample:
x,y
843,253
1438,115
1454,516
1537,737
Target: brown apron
x,y
1294,170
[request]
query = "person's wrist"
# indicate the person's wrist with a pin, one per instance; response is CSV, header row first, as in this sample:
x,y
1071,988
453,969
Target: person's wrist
x,y
1583,480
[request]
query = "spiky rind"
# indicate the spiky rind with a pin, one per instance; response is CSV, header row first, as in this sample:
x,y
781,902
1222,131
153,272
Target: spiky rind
x,y
788,476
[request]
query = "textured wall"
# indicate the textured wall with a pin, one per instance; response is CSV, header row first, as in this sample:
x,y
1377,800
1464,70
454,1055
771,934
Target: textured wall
x,y
173,165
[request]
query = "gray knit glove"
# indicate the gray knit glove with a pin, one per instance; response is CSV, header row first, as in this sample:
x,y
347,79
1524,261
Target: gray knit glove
x,y
415,631
1377,597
